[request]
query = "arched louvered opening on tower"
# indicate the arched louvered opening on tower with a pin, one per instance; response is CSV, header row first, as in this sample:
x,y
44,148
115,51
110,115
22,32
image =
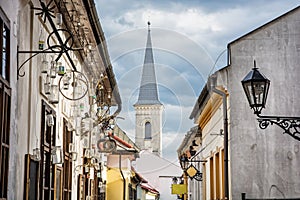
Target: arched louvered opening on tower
x,y
148,134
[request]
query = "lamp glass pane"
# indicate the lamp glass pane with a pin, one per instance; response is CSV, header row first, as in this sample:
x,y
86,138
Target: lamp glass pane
x,y
248,90
266,92
258,91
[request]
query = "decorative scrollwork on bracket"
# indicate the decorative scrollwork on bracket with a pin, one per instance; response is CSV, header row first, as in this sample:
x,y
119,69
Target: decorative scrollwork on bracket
x,y
62,46
290,125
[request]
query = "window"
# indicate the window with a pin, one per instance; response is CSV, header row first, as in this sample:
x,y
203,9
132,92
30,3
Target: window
x,y
4,46
132,192
99,185
5,99
148,130
223,174
47,172
212,178
204,181
217,173
67,183
31,178
5,103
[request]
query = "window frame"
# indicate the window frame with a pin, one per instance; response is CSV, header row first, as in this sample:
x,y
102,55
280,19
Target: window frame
x,y
4,24
47,169
67,166
148,130
5,109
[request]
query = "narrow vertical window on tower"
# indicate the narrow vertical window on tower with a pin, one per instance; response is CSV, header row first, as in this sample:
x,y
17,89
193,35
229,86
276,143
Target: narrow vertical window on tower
x,y
148,130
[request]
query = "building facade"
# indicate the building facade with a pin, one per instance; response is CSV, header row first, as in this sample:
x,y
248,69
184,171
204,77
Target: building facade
x,y
56,82
262,163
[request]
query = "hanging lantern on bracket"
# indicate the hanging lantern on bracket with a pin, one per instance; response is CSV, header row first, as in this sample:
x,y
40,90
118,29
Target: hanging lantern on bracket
x,y
41,41
59,19
61,69
47,85
36,154
66,82
57,155
50,120
53,69
45,67
53,96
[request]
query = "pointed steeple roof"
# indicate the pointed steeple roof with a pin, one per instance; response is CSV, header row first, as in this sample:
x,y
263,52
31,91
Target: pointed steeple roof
x,y
148,94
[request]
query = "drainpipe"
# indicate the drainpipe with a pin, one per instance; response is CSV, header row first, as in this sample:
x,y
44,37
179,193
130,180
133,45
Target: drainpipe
x,y
30,83
213,79
124,181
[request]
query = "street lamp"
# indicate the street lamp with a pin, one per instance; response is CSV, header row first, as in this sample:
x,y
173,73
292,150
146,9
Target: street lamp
x,y
256,87
184,162
190,169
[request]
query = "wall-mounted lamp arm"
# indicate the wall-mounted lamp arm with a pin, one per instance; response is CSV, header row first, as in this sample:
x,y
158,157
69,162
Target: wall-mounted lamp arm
x,y
290,125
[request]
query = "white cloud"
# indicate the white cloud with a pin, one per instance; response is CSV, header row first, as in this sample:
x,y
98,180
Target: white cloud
x,y
187,37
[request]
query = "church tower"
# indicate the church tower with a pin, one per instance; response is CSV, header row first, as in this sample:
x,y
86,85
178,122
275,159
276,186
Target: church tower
x,y
148,108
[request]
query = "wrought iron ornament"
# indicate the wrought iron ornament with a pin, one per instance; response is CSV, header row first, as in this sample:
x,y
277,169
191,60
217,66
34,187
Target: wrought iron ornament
x,y
290,125
63,46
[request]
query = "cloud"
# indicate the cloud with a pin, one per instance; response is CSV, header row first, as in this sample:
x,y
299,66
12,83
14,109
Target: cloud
x,y
187,38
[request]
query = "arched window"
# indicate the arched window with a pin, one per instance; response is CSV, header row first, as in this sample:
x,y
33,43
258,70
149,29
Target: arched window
x,y
148,130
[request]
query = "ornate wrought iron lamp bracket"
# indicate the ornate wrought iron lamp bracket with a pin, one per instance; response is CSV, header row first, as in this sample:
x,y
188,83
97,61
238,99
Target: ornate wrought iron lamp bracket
x,y
256,87
290,125
61,48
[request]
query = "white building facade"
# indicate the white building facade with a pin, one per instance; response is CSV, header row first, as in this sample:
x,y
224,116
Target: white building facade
x,y
262,163
55,76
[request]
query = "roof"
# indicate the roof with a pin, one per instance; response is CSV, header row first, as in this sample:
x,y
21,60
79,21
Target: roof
x,y
188,138
102,48
144,183
149,188
201,99
123,139
148,94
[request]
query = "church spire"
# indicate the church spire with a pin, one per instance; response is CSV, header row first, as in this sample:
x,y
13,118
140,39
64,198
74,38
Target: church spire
x,y
148,94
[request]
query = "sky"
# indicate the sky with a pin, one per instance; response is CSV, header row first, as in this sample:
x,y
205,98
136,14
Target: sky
x,y
189,40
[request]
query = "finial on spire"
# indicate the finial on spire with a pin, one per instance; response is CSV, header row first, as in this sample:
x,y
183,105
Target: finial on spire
x,y
149,25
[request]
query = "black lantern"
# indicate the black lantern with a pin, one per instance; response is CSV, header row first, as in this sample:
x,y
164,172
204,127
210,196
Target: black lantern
x,y
184,162
256,87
